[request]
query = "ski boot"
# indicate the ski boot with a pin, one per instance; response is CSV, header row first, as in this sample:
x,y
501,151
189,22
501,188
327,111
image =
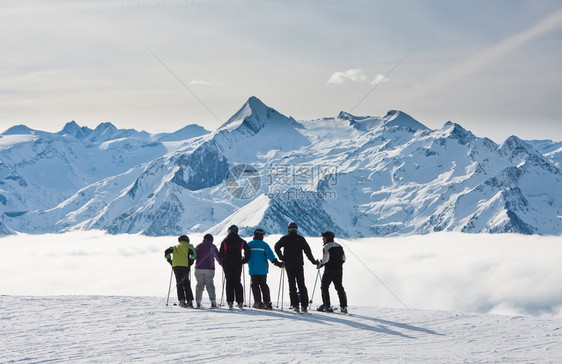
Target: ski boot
x,y
323,308
343,309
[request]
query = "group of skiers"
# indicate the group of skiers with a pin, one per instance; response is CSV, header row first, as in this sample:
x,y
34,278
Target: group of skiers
x,y
234,252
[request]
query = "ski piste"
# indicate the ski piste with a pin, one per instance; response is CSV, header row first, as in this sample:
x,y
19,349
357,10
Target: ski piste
x,y
336,311
235,308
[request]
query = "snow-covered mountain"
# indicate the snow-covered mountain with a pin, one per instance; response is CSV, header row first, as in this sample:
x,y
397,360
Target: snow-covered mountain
x,y
358,176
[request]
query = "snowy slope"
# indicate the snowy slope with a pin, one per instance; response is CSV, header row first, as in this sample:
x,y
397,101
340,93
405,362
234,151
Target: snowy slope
x,y
101,329
360,176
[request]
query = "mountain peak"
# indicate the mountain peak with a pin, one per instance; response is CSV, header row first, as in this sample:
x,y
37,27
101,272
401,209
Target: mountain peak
x,y
105,126
187,132
456,131
363,123
255,103
254,115
397,118
515,144
77,131
516,148
19,129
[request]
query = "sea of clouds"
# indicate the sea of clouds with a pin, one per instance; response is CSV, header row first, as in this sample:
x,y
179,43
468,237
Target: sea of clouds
x,y
503,274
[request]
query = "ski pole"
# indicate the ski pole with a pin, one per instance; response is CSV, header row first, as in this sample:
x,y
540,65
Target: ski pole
x,y
282,288
170,286
314,289
279,290
222,294
243,283
249,288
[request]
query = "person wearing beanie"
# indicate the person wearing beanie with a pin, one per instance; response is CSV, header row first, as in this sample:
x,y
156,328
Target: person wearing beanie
x,y
207,253
289,250
232,260
259,267
181,258
332,261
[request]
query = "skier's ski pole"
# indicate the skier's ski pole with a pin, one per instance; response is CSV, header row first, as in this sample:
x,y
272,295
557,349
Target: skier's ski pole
x,y
279,290
190,298
314,289
282,288
222,294
249,288
243,284
170,286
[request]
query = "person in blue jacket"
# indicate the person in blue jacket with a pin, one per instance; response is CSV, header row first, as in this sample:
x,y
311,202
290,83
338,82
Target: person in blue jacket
x,y
259,267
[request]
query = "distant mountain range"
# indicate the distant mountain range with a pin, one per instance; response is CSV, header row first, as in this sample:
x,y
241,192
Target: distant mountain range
x,y
358,176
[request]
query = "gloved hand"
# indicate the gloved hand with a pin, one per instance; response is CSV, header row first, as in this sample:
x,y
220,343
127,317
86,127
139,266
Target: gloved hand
x,y
318,264
278,263
169,261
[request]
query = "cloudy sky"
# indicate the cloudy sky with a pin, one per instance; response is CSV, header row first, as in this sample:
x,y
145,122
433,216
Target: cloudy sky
x,y
492,66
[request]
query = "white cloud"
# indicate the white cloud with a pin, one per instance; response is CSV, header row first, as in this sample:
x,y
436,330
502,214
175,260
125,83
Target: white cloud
x,y
378,79
353,75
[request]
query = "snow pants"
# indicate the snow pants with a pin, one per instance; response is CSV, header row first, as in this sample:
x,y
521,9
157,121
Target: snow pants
x,y
205,279
296,279
234,288
259,287
336,277
183,284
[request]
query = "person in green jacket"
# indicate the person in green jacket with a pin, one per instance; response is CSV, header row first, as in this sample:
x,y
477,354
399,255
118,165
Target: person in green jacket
x,y
181,257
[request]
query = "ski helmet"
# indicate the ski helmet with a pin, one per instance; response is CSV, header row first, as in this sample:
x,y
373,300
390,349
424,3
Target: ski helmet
x,y
259,231
233,229
293,227
183,238
328,235
208,237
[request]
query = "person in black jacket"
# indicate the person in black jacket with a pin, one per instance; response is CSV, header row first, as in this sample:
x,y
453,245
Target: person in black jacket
x,y
289,249
332,261
232,260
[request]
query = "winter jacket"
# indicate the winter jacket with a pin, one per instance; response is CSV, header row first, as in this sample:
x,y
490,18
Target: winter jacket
x,y
293,246
231,251
207,252
183,254
333,258
261,252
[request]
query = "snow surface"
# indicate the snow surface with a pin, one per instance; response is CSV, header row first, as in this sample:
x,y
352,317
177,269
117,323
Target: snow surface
x,y
92,297
110,329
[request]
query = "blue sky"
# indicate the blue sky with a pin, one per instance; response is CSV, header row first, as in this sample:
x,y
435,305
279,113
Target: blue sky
x,y
492,66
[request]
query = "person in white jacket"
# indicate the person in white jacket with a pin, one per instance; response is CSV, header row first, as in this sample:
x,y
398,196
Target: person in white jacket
x,y
332,261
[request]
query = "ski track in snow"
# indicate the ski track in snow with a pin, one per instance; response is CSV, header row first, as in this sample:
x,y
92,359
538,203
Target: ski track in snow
x,y
102,329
